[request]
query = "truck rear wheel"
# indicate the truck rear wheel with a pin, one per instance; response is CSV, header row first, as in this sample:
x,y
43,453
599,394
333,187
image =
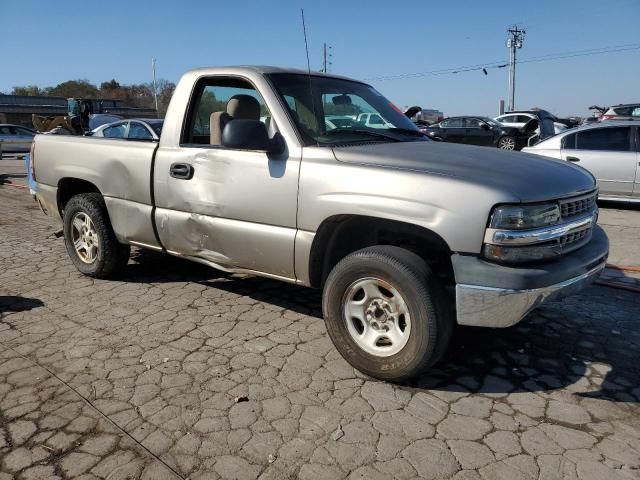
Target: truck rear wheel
x,y
387,313
89,238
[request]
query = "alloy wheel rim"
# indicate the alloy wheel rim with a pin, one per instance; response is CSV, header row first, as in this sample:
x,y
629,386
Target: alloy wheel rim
x,y
376,317
84,237
507,144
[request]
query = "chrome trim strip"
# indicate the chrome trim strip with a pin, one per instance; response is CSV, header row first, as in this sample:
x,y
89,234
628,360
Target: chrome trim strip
x,y
539,235
608,198
500,307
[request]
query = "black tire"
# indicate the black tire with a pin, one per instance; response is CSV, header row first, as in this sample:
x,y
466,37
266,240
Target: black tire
x,y
426,299
111,255
507,142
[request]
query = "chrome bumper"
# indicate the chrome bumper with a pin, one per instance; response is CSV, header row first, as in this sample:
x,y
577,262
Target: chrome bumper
x,y
499,307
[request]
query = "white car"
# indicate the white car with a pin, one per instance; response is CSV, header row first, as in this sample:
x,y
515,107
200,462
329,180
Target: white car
x,y
519,120
134,129
372,120
607,149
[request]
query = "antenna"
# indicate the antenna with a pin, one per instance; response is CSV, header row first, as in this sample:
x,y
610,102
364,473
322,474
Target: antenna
x,y
306,46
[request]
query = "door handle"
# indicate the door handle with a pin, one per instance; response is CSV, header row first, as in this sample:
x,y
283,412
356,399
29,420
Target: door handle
x,y
181,171
573,159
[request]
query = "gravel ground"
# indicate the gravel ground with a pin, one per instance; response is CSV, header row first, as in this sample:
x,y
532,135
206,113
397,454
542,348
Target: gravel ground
x,y
179,371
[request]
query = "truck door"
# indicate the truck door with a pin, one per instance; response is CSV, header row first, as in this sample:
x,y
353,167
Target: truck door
x,y
477,132
231,208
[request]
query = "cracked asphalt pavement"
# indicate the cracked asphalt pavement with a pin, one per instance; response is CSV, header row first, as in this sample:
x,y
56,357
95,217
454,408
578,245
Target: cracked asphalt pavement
x,y
175,370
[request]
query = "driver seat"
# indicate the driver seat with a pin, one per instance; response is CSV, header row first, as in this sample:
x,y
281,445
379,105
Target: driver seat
x,y
238,106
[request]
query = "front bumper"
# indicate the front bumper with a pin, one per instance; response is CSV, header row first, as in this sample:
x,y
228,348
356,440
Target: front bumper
x,y
490,295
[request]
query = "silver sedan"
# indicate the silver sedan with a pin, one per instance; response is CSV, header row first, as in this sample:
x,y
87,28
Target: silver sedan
x,y
609,150
132,129
16,133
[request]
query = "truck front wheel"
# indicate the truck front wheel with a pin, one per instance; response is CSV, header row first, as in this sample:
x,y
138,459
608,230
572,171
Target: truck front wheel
x,y
89,238
387,313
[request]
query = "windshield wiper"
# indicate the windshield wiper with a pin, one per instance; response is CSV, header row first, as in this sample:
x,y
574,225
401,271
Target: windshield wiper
x,y
361,131
408,131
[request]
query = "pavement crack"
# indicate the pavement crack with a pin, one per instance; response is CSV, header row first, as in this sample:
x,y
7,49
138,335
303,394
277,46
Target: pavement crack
x,y
96,409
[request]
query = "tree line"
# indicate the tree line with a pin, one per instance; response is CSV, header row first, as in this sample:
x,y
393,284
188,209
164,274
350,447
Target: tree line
x,y
134,95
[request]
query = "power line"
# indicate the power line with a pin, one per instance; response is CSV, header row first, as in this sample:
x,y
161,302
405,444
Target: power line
x,y
504,63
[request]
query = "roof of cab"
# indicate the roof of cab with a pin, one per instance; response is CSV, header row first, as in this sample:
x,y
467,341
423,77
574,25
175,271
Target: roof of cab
x,y
264,69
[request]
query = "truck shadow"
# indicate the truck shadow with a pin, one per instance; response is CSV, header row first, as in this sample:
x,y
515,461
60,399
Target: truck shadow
x,y
558,346
618,205
5,178
587,343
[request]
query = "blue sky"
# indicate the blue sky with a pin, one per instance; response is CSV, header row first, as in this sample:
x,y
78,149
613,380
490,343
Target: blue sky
x,y
48,42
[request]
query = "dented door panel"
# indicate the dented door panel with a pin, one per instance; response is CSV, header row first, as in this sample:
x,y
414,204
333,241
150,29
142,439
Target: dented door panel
x,y
238,210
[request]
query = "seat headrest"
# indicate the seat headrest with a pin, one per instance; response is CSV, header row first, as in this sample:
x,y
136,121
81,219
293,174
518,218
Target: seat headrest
x,y
244,106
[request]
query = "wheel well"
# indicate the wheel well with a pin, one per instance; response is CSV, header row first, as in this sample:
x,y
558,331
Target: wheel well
x,y
68,187
341,235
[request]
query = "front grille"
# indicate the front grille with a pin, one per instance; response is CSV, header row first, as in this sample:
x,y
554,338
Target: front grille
x,y
575,240
575,206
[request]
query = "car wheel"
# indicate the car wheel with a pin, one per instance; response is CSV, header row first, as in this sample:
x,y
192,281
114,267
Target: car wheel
x,y
89,237
507,143
387,313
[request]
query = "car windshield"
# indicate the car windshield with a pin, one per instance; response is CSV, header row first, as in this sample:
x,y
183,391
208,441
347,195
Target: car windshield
x,y
491,121
330,111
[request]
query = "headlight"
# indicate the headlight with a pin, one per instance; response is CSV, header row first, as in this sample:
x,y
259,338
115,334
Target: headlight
x,y
521,217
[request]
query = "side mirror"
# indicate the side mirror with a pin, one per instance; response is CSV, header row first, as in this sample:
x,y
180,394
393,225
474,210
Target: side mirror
x,y
484,126
242,134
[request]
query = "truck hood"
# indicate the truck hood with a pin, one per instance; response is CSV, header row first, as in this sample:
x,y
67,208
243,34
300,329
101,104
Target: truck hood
x,y
531,178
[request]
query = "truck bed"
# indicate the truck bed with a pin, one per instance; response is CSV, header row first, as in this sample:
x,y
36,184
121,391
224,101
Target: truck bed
x,y
120,169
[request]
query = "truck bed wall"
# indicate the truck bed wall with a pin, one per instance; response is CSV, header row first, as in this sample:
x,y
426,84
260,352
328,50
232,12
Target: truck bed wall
x,y
120,170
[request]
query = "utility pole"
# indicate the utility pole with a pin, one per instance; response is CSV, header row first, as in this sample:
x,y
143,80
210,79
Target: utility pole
x,y
326,57
514,42
155,87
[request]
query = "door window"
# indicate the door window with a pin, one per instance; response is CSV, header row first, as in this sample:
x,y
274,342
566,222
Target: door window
x,y
473,123
137,131
508,119
453,123
214,95
115,131
569,142
614,139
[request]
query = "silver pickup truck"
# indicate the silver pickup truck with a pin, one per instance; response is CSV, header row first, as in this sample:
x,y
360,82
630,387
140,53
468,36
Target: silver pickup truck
x,y
268,171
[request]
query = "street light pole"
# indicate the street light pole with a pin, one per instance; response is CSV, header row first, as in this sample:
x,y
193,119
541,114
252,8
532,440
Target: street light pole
x,y
155,87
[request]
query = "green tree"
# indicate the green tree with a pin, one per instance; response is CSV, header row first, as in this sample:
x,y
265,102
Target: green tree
x,y
30,90
74,89
110,85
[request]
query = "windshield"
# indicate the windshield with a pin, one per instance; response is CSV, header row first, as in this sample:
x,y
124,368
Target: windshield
x,y
329,111
491,122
